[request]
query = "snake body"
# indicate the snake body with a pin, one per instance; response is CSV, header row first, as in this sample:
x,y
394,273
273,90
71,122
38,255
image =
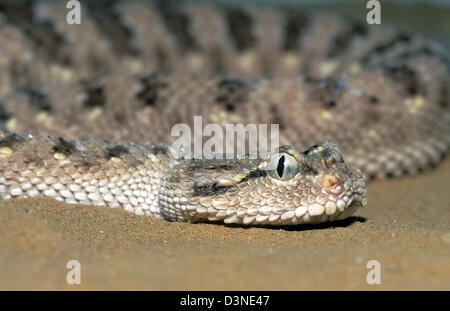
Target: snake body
x,y
79,105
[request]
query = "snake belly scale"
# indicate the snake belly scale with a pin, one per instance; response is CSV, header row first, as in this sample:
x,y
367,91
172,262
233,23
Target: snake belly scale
x,y
86,110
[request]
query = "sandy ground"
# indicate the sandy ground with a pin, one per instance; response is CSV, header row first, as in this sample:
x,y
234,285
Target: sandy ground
x,y
406,227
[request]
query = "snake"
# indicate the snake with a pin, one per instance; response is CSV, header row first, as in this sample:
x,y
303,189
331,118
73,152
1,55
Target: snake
x,y
87,110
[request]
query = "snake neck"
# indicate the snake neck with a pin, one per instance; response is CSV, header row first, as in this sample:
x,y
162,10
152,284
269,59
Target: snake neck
x,y
83,171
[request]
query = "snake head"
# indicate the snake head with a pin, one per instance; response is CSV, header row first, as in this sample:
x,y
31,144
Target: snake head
x,y
317,184
287,187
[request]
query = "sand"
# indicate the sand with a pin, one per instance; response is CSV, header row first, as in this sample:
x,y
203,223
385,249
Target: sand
x,y
406,227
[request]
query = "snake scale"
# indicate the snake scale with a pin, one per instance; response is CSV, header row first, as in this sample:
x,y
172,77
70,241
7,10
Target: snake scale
x,y
86,110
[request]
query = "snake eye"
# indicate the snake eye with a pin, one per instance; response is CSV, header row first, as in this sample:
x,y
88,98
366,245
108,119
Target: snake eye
x,y
282,166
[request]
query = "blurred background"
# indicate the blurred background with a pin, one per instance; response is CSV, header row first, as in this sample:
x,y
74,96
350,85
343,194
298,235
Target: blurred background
x,y
431,16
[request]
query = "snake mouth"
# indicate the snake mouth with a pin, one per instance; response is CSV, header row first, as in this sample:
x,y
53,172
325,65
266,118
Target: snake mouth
x,y
358,201
353,207
356,204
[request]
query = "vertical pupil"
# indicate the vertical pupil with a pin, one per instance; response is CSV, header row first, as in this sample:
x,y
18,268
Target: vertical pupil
x,y
280,167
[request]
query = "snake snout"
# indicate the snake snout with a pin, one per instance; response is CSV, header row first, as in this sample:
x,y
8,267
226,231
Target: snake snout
x,y
355,199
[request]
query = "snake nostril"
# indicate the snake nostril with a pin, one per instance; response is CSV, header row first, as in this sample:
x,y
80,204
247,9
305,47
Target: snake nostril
x,y
329,181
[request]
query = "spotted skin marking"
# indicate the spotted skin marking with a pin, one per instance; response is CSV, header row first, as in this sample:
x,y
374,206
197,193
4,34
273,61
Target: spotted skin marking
x,y
109,22
342,41
232,92
38,100
294,28
240,25
10,139
178,24
64,146
151,87
95,95
117,151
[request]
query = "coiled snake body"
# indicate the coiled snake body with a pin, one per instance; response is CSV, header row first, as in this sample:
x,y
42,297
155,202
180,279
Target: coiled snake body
x,y
80,104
